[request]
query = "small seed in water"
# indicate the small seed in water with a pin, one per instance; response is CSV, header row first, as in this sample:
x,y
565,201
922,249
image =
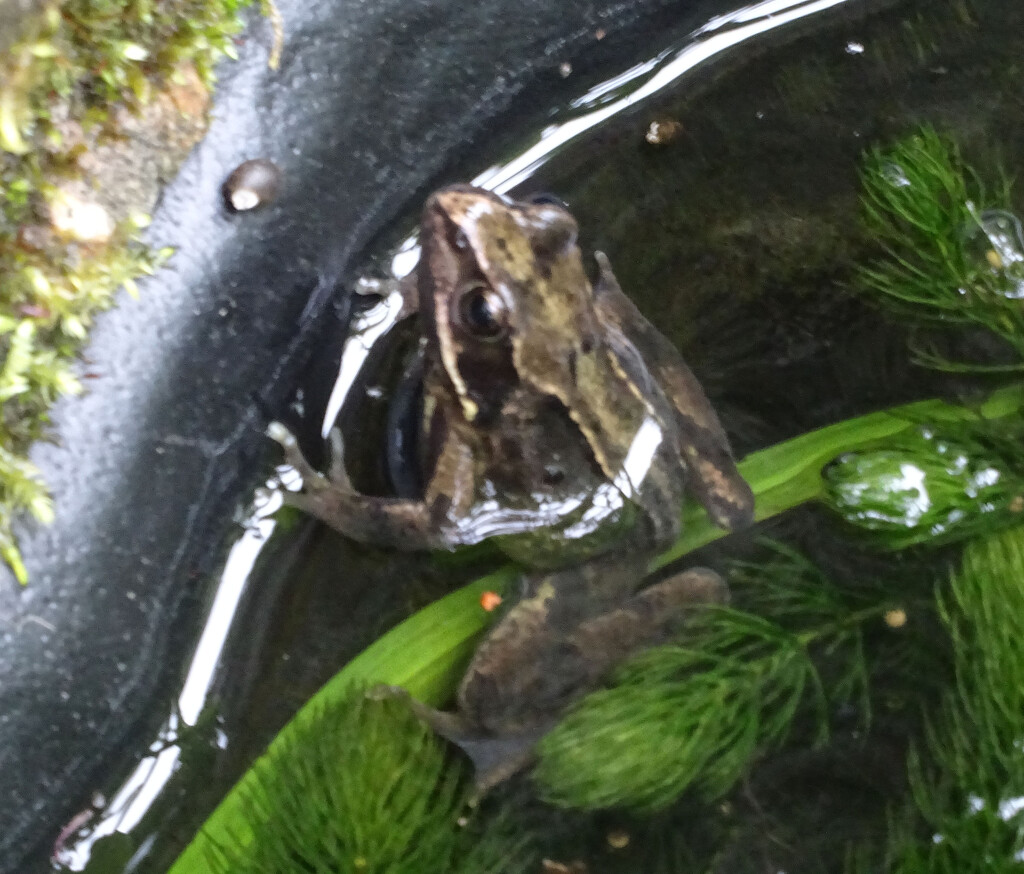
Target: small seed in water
x,y
896,618
618,838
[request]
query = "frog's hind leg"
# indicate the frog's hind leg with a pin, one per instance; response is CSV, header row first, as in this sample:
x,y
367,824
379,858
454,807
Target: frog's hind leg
x,y
646,619
494,758
716,482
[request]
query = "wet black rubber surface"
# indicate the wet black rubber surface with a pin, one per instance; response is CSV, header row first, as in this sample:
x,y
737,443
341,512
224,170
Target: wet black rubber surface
x,y
373,105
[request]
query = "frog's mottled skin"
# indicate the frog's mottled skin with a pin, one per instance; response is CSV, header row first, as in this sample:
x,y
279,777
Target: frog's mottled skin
x,y
576,421
561,423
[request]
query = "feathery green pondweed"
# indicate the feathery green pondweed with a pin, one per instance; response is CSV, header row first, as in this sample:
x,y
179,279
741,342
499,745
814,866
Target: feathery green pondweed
x,y
967,775
932,485
952,249
365,788
697,714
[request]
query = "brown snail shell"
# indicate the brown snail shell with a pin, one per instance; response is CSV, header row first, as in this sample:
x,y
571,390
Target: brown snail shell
x,y
252,184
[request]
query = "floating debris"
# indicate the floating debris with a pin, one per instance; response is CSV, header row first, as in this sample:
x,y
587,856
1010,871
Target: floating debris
x,y
895,618
663,131
618,838
490,601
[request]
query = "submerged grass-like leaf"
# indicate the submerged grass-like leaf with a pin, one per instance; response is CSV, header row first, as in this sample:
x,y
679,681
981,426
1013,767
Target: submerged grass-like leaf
x,y
366,788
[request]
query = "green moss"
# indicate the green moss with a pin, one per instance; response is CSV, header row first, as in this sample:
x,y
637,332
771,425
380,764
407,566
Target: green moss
x,y
83,61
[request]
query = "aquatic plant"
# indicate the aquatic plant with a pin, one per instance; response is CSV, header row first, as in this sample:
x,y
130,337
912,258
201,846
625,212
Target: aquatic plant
x,y
952,249
967,773
696,715
375,794
424,655
932,486
772,650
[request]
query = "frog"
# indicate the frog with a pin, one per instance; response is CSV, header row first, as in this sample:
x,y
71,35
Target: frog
x,y
559,423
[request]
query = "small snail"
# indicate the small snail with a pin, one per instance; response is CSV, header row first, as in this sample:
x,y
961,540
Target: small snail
x,y
251,184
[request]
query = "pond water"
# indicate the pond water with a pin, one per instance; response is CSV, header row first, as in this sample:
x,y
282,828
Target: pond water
x,y
736,231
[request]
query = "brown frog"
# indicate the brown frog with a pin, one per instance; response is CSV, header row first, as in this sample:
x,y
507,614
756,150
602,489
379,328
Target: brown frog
x,y
558,421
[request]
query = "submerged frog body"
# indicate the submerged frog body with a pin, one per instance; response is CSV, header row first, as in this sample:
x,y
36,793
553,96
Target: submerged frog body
x,y
558,421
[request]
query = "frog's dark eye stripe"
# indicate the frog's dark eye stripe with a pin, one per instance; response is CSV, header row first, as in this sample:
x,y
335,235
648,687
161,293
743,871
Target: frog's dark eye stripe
x,y
482,313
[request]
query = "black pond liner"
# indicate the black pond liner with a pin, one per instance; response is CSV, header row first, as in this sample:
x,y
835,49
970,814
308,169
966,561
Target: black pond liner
x,y
374,104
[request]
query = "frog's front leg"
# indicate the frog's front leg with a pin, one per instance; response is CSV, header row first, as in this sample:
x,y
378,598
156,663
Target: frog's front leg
x,y
395,522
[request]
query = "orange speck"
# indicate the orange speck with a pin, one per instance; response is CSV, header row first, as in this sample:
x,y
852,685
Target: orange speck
x,y
490,601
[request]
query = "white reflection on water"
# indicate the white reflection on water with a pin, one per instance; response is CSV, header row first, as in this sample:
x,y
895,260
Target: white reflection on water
x,y
720,33
714,37
137,794
366,329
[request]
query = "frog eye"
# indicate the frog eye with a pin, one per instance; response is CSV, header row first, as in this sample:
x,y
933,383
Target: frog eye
x,y
482,313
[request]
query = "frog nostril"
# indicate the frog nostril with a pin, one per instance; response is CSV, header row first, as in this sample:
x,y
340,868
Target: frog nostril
x,y
553,475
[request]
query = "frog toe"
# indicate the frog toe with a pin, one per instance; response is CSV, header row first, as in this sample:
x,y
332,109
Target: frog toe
x,y
337,474
283,436
496,759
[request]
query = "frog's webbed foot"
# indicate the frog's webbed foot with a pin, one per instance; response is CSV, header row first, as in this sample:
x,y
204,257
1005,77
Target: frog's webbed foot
x,y
495,758
312,479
